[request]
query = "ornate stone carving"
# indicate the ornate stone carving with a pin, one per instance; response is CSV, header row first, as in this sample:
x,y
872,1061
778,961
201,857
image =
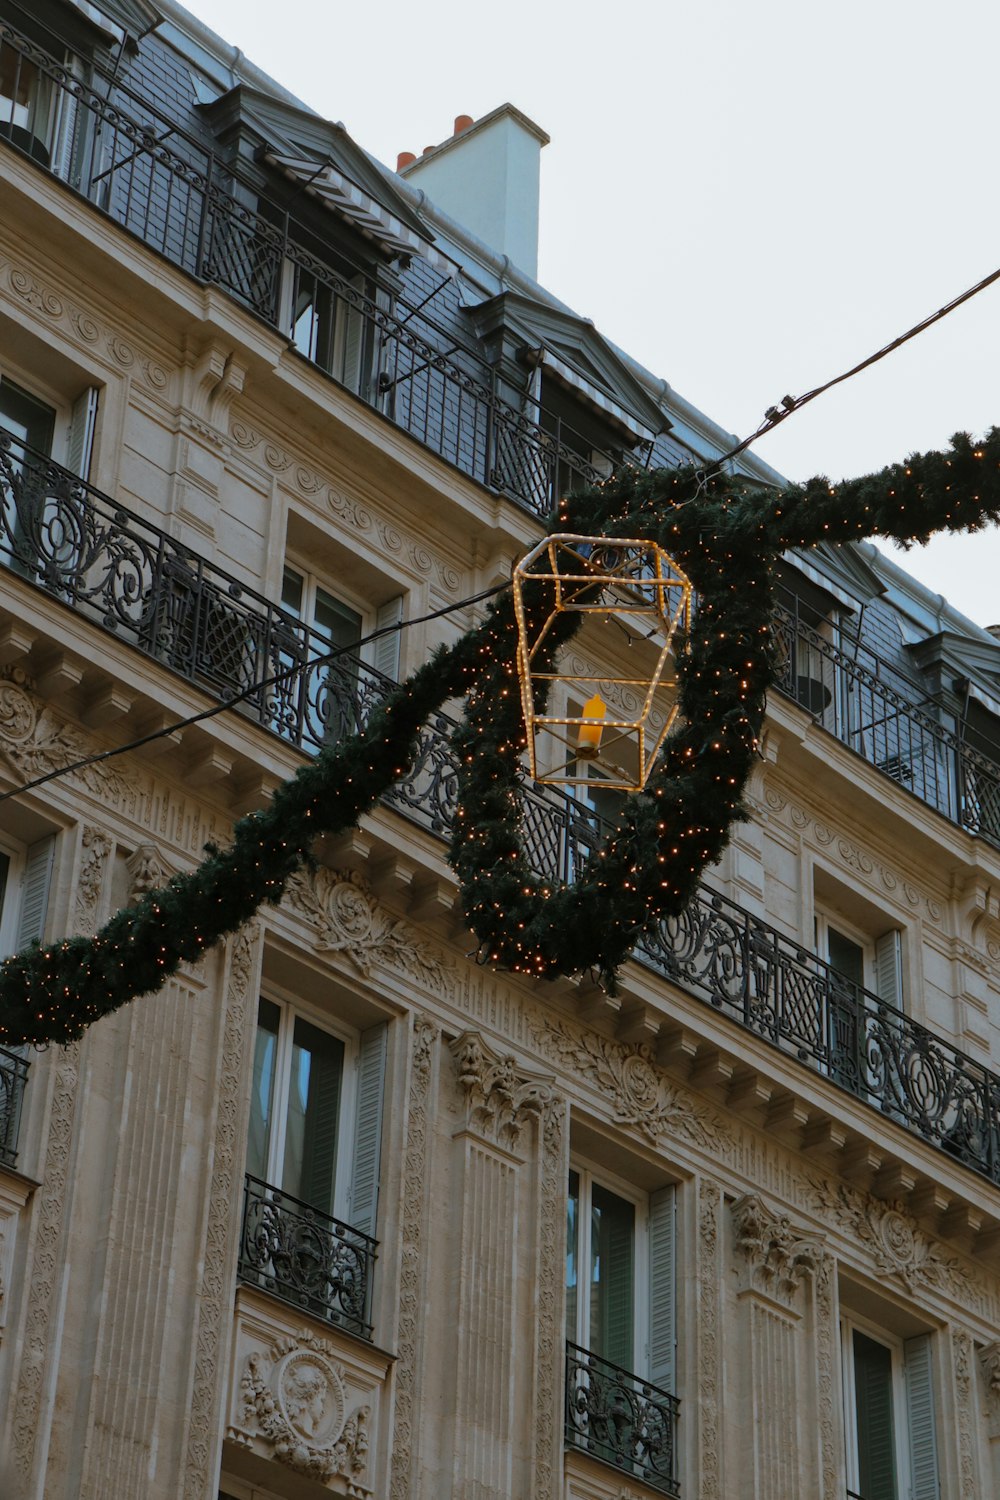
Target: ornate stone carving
x,y
349,920
147,871
214,1302
778,1257
643,1097
989,1363
294,1401
76,320
355,516
892,1239
549,1322
827,1375
709,1352
961,1350
501,1096
95,846
36,743
425,1035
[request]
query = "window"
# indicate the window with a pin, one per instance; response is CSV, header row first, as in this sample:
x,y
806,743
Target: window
x,y
889,1427
313,1147
26,104
325,325
620,1366
25,878
40,516
860,964
335,697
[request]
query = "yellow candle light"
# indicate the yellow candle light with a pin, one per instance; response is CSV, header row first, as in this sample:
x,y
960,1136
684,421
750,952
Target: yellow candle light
x,y
589,739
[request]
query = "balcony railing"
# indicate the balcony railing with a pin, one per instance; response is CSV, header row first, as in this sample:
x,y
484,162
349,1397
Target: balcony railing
x,y
843,685
13,1077
616,1417
306,1257
130,578
775,988
139,167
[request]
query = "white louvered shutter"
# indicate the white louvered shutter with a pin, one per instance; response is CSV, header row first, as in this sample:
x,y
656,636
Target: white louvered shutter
x,y
81,432
368,1130
662,1297
387,646
35,890
921,1433
889,968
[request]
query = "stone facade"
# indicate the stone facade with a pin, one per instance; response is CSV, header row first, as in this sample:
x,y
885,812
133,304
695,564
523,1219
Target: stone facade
x,y
783,1169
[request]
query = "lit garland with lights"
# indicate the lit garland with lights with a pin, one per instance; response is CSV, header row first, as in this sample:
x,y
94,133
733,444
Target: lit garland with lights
x,y
726,535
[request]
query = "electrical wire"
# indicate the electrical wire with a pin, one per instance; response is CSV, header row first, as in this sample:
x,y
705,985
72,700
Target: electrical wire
x,y
254,687
775,415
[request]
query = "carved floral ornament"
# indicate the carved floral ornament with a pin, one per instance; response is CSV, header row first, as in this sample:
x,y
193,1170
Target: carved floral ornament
x,y
892,1241
641,1094
348,919
295,1403
501,1096
778,1256
989,1363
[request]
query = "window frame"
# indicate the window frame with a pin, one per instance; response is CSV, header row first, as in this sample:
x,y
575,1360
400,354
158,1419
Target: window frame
x,y
292,1007
850,1323
589,1177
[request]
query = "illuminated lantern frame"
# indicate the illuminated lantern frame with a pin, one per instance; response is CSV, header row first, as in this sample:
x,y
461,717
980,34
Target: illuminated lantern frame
x,y
637,584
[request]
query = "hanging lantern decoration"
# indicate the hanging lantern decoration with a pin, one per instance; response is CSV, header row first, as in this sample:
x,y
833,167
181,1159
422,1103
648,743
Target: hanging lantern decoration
x,y
609,727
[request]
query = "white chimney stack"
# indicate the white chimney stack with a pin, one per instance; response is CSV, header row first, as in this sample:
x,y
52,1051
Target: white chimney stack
x,y
486,177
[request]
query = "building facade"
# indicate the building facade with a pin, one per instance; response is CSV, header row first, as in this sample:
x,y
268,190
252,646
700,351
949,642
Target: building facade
x,y
341,1210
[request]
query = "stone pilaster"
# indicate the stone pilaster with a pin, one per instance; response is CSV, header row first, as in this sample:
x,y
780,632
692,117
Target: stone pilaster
x,y
494,1397
776,1267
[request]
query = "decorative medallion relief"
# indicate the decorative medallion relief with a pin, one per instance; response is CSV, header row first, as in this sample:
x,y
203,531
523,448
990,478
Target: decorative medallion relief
x,y
295,1403
348,919
892,1240
501,1097
641,1095
777,1256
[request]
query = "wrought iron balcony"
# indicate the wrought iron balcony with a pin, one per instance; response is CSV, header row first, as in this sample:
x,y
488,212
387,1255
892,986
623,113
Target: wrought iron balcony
x,y
306,1257
140,168
616,1417
13,1077
132,579
846,687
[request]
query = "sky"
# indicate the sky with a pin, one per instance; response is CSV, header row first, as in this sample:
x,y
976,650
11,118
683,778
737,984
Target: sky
x,y
747,198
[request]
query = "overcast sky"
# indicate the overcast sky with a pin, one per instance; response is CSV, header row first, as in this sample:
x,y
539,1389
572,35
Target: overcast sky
x,y
748,198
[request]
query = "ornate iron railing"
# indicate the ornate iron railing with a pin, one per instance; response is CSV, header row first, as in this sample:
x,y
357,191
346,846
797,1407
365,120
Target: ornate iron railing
x,y
140,167
844,686
614,1416
306,1257
775,988
132,579
13,1077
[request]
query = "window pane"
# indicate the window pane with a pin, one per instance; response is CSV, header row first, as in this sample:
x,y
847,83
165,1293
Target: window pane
x,y
317,1067
28,419
846,957
873,1403
611,1265
291,592
262,1094
337,622
572,1256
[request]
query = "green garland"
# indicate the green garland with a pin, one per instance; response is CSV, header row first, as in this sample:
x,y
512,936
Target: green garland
x,y
726,535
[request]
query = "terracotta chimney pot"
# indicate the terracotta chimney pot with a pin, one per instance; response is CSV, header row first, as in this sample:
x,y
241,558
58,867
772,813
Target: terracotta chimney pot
x,y
462,123
404,159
